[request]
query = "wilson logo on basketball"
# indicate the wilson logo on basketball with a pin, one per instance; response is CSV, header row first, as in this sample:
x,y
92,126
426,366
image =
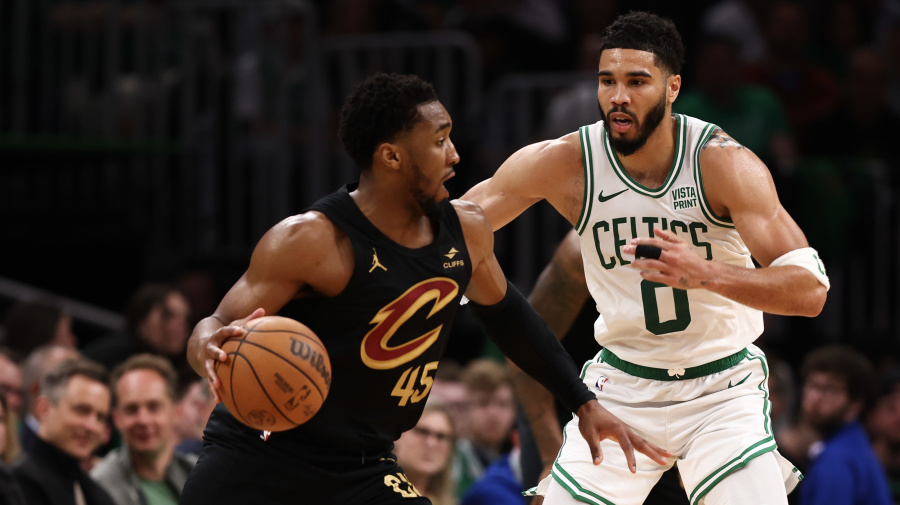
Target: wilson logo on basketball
x,y
303,351
375,350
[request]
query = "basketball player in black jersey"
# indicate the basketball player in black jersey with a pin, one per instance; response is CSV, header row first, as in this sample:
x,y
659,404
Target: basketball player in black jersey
x,y
377,270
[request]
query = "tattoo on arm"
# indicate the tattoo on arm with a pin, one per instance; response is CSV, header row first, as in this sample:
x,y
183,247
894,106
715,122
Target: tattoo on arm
x,y
721,139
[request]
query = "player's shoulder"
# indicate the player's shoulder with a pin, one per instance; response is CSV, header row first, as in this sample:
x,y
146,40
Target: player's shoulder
x,y
721,150
562,150
310,231
732,173
723,157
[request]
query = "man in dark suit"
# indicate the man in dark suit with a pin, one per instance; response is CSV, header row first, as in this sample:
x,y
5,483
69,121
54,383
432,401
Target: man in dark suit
x,y
72,410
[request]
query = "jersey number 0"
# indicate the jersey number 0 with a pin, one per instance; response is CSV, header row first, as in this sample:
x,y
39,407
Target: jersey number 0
x,y
651,309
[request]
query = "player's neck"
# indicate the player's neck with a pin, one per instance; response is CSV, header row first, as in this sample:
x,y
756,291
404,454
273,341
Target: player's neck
x,y
650,165
400,219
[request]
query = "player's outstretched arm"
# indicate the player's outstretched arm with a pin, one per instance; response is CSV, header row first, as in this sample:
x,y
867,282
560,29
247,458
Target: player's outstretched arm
x,y
739,186
279,268
524,337
558,296
550,170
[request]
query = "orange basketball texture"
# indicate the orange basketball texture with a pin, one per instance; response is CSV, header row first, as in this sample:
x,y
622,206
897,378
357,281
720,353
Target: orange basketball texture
x,y
276,376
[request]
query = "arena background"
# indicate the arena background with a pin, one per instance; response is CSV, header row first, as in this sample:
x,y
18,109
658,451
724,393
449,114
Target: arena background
x,y
158,140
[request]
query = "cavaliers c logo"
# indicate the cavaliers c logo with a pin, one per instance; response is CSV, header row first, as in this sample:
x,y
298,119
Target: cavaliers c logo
x,y
375,351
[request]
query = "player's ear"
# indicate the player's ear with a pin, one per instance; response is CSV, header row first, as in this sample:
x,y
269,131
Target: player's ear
x,y
388,154
673,87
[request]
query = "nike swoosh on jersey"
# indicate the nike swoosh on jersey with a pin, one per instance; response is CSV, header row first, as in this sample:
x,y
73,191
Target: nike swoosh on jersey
x,y
609,197
730,385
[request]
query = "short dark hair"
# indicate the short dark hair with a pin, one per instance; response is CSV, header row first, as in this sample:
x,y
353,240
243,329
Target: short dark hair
x,y
32,323
648,32
143,301
146,361
56,380
849,364
378,109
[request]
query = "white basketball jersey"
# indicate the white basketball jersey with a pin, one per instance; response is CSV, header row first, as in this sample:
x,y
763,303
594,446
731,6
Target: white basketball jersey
x,y
644,322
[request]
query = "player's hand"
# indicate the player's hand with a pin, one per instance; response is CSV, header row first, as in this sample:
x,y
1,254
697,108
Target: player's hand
x,y
678,265
596,424
213,353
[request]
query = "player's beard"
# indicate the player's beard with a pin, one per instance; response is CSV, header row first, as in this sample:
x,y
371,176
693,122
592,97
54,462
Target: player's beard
x,y
643,128
430,207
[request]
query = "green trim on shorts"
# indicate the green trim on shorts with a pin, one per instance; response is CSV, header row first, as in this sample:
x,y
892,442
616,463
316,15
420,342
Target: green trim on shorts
x,y
579,493
661,374
767,404
728,468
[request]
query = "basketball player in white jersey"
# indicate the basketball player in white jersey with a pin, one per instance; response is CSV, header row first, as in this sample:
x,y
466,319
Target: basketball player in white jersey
x,y
678,363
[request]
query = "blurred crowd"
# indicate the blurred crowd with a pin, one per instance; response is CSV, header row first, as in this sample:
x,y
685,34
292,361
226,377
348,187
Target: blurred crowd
x,y
122,418
812,87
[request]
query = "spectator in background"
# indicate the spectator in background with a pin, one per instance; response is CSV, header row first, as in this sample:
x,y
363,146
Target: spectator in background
x,y
863,127
33,323
72,409
146,469
491,416
11,381
449,390
426,454
838,387
195,404
36,367
10,493
156,321
884,427
741,20
807,91
750,113
501,483
843,26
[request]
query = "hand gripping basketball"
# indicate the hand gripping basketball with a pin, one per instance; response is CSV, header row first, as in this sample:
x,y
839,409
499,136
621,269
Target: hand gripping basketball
x,y
277,374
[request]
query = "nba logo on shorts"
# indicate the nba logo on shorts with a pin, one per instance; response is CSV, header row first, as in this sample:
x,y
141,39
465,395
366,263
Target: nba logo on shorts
x,y
601,381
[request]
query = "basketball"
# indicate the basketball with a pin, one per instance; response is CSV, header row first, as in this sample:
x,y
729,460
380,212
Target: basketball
x,y
277,376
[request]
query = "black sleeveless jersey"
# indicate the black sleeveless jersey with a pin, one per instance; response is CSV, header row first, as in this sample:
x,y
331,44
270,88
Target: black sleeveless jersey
x,y
384,333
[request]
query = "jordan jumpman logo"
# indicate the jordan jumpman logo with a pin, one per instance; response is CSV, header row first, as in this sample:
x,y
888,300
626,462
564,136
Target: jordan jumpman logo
x,y
375,262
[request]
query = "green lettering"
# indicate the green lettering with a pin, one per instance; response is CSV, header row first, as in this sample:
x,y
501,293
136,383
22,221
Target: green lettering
x,y
696,240
678,224
603,261
651,223
618,242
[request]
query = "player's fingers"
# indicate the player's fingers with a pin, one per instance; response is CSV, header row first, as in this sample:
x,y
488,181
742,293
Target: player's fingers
x,y
213,391
663,234
596,451
628,449
652,451
211,376
260,312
